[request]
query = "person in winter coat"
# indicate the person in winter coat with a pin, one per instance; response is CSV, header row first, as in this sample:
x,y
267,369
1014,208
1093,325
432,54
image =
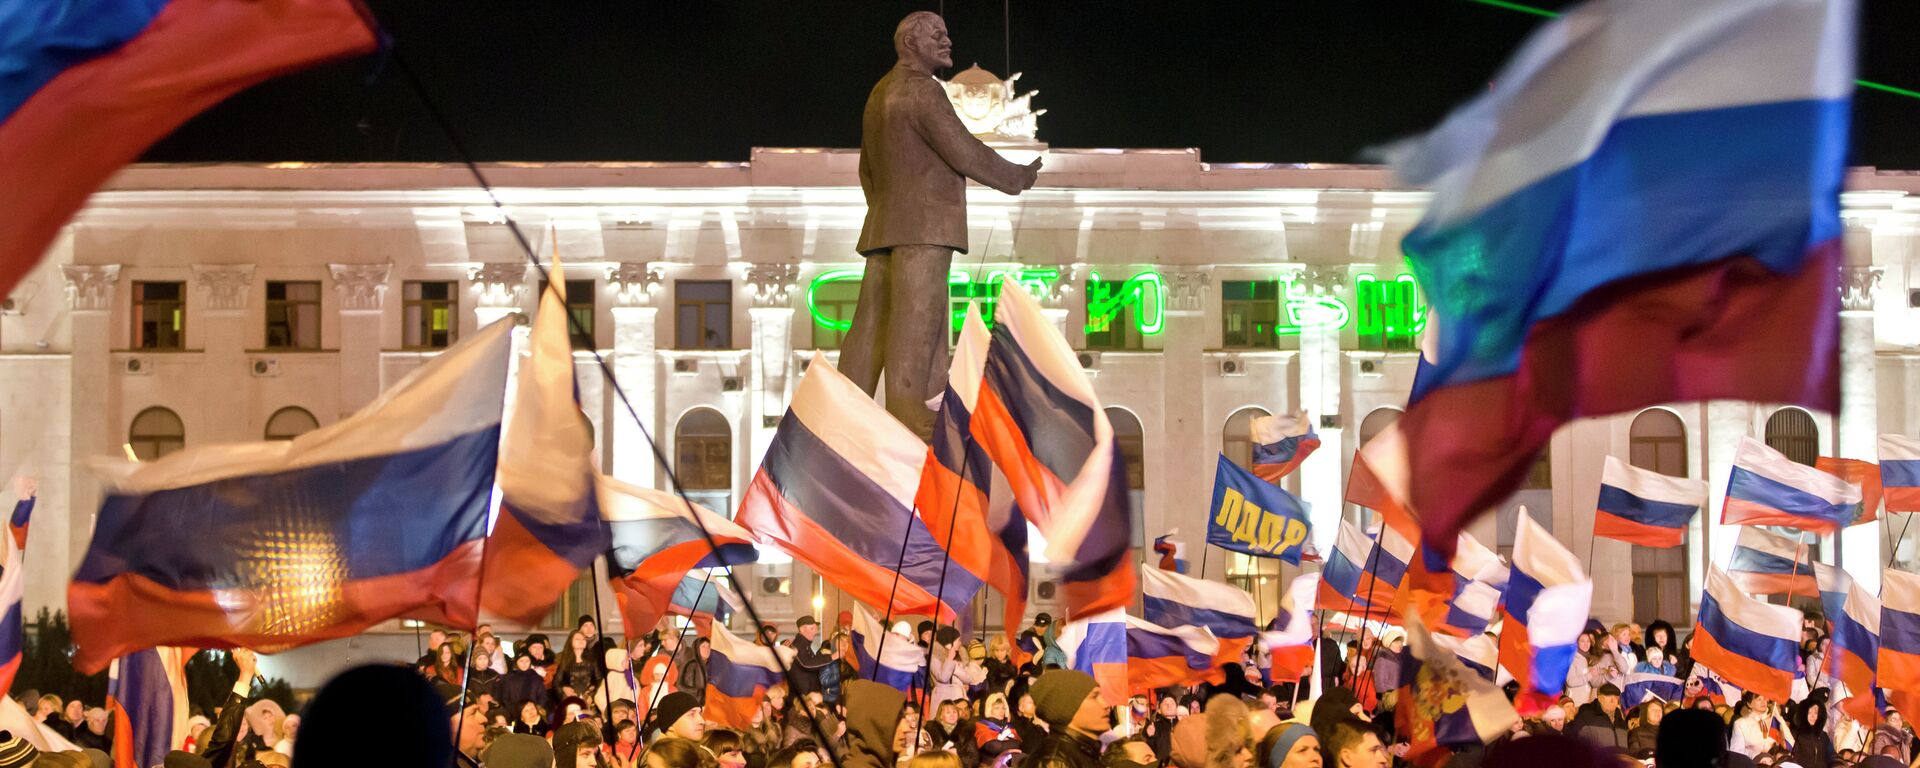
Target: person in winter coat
x,y
1643,725
989,735
1601,721
873,720
999,664
1812,748
1749,735
952,674
1072,706
575,673
621,683
1890,738
693,670
522,684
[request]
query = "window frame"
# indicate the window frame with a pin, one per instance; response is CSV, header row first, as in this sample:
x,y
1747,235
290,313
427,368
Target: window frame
x,y
139,307
289,308
701,309
423,325
136,440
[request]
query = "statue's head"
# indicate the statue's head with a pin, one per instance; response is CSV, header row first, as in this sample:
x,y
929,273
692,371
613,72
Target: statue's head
x,y
921,40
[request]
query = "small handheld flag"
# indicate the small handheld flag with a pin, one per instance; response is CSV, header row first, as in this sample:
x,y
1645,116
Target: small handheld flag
x,y
1281,443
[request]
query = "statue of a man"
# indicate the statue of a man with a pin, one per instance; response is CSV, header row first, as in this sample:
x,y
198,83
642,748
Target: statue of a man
x,y
915,159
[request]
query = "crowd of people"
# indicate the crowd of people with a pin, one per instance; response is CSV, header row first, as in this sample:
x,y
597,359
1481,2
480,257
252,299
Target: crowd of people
x,y
587,704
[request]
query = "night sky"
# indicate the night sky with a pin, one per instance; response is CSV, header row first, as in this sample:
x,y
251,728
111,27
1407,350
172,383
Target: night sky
x,y
697,80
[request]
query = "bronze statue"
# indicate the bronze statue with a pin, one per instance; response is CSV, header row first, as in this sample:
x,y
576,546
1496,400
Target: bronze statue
x,y
915,159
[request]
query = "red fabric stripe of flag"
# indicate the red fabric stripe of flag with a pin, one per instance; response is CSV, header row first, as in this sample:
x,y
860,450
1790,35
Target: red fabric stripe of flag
x,y
1865,474
98,115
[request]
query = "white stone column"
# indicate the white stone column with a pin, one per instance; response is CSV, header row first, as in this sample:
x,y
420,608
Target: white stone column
x,y
771,358
220,327
502,290
1859,412
1321,482
361,290
1727,422
636,365
1186,474
96,431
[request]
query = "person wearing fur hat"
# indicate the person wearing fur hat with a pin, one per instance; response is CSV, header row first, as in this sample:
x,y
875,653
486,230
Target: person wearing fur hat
x,y
1070,702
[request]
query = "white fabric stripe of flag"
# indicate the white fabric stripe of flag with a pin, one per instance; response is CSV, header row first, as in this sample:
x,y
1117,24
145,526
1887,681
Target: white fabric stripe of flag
x,y
1482,696
1899,448
1479,649
1478,598
1559,614
1075,632
546,443
1267,430
1354,544
969,360
1754,456
1653,486
1631,56
622,501
856,428
1774,544
1187,590
1386,456
1863,607
1299,604
435,403
902,655
1397,545
1900,591
1831,578
1761,618
1471,558
743,653
1541,556
1200,639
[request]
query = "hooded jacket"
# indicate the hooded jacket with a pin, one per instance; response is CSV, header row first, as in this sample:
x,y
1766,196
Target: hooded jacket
x,y
873,709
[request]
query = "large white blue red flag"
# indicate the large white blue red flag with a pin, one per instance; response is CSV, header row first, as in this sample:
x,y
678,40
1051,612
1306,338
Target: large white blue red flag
x,y
1548,594
278,544
1767,488
1833,583
1159,656
147,697
1748,642
1644,507
1544,313
890,661
1899,666
1227,612
1900,472
1765,563
1097,645
657,540
738,676
1345,566
836,491
1853,656
1039,421
1280,443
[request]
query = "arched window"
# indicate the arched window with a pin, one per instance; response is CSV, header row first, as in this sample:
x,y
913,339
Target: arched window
x,y
1657,441
1377,422
156,432
290,422
1791,431
703,447
1236,440
1131,440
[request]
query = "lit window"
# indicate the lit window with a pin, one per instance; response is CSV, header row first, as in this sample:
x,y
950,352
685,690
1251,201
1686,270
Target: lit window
x,y
293,314
160,315
1249,314
429,314
703,314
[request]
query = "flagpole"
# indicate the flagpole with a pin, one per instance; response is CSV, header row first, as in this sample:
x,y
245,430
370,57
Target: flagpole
x,y
1206,548
1366,615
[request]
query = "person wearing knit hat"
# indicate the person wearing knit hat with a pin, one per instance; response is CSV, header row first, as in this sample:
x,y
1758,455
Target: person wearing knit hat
x,y
1189,749
15,752
677,714
1289,745
518,750
1069,701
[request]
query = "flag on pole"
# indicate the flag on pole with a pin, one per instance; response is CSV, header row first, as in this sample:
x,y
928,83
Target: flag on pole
x,y
1340,578
1750,643
1280,443
1900,472
1642,686
1227,612
1833,584
1385,567
895,663
836,491
1853,654
1865,474
1159,656
1644,507
1767,488
1172,552
1443,704
13,587
1097,645
705,598
656,542
1770,564
738,676
1548,595
1545,314
275,545
1037,417
89,86
1899,663
147,697
1290,646
1254,517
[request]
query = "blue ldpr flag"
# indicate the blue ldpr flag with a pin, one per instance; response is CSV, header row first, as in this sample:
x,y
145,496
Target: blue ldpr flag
x,y
1254,517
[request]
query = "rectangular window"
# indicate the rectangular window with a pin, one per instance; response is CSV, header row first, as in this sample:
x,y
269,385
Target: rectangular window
x,y
429,314
1388,315
833,305
1112,321
580,304
1249,314
293,314
703,314
159,315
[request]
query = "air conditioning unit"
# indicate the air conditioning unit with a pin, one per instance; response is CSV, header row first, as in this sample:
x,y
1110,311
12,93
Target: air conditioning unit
x,y
1372,369
686,366
1913,298
1046,591
1090,361
1233,366
731,384
137,367
266,367
1329,421
9,307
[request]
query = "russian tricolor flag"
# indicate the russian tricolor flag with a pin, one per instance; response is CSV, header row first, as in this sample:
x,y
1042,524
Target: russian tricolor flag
x,y
1853,655
147,696
1647,508
549,527
1160,656
89,86
836,491
22,515
1386,566
1770,564
1865,474
1280,443
656,541
1038,419
1443,702
1290,647
1767,488
705,598
1833,584
1460,599
1749,643
1900,472
273,545
895,663
1345,565
1899,664
1227,612
13,586
1548,594
1097,645
738,676
1545,313
1642,686
1172,552
956,481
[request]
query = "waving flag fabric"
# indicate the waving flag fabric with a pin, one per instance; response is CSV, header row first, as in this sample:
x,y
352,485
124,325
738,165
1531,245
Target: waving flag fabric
x,y
656,541
147,697
1227,612
1160,656
1386,567
1644,507
1290,645
1853,655
704,597
1172,552
1642,686
1459,598
1097,645
1340,578
1770,564
13,587
1833,584
1254,517
738,676
549,527
1544,313
1479,653
1767,488
87,87
836,491
22,515
1899,664
1750,643
1865,474
1444,704
1548,595
279,544
1280,443
895,663
1900,472
1038,419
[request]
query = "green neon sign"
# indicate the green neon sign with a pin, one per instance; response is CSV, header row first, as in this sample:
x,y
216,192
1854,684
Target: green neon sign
x,y
1144,293
961,287
1392,309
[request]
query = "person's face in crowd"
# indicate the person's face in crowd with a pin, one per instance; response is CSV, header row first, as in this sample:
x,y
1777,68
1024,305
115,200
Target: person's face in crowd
x,y
1584,643
623,712
1568,709
903,731
529,713
628,736
805,760
815,699
768,635
522,663
584,754
1706,704
1304,754
97,720
1655,656
446,653
1368,753
578,642
1168,706
1660,637
949,714
1623,636
911,712
1894,719
691,726
1656,714
1026,705
1094,717
1555,718
1139,704
537,650
76,711
704,648
471,728
481,661
43,709
590,629
1609,704
776,699
732,758
1761,705
811,632
998,709
1139,753
436,639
